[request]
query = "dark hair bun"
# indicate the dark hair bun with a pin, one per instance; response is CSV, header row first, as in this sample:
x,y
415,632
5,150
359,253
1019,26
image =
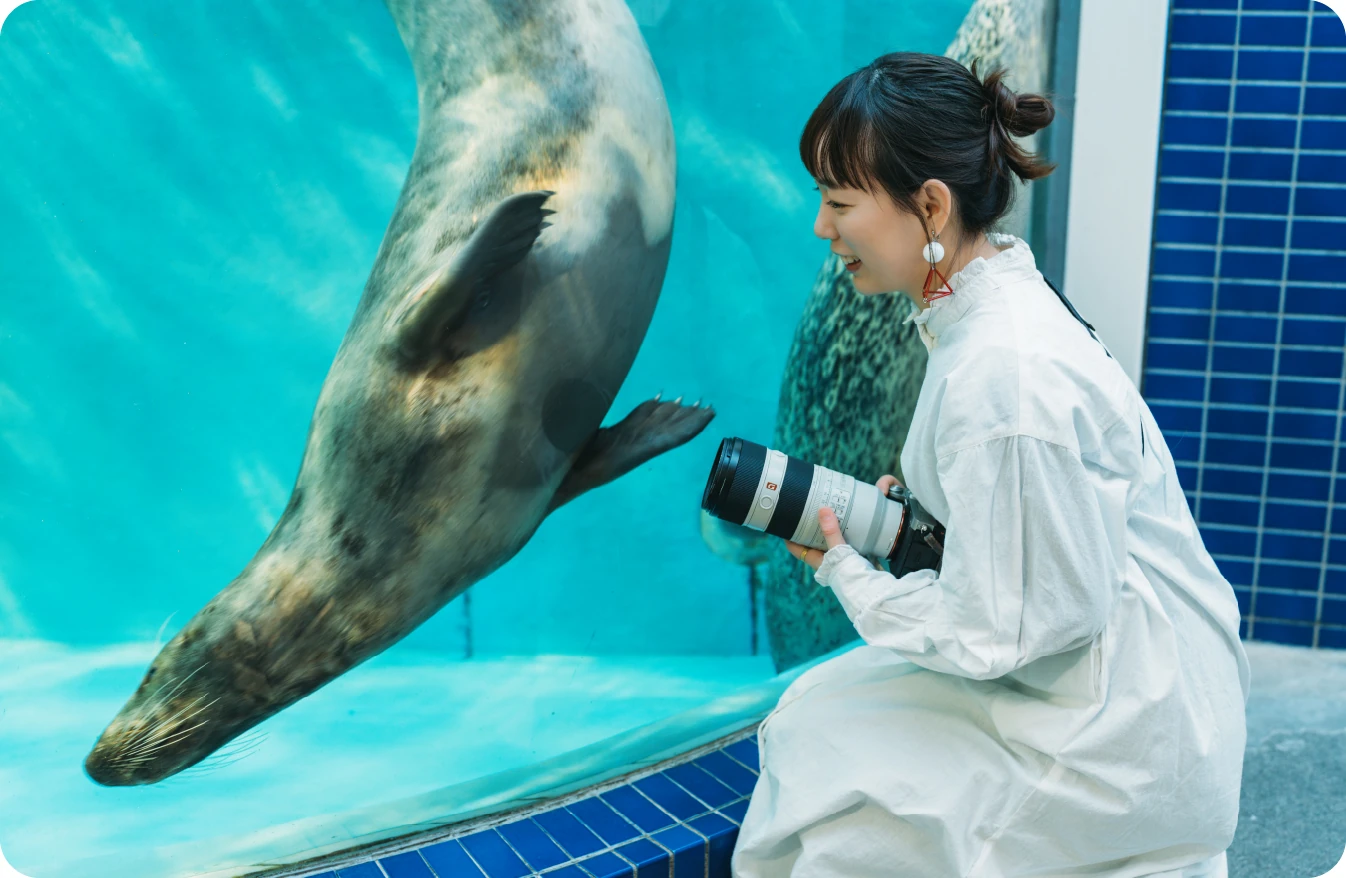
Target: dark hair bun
x,y
1012,115
910,117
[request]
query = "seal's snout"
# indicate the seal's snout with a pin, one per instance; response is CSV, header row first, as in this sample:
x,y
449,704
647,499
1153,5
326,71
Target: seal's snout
x,y
157,734
268,639
107,763
103,770
140,752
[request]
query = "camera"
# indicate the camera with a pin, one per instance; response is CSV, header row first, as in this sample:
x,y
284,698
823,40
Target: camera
x,y
768,490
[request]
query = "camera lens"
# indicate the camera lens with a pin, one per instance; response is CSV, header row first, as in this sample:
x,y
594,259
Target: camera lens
x,y
767,490
723,470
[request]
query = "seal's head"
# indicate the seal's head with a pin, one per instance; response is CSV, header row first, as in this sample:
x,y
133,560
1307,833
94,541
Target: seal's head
x,y
211,682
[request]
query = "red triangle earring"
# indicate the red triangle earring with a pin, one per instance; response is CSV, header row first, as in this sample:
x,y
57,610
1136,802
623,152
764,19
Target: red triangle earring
x,y
934,252
929,295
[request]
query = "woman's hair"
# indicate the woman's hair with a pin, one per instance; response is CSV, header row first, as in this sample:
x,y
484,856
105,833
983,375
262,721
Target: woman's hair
x,y
909,117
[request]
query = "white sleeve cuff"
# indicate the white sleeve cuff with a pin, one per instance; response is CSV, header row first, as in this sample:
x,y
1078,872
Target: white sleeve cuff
x,y
831,558
860,586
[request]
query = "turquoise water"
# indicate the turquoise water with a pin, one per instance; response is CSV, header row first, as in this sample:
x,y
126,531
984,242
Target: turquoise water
x,y
399,725
191,198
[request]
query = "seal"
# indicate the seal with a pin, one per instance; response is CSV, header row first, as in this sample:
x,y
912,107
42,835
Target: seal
x,y
855,369
464,403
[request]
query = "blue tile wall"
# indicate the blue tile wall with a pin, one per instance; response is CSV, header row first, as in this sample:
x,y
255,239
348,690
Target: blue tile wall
x,y
1246,340
676,820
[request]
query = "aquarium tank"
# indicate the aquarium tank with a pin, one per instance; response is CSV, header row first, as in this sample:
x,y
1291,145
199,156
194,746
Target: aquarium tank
x,y
299,551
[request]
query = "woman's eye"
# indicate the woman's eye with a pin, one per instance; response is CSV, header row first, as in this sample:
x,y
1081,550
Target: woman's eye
x,y
832,204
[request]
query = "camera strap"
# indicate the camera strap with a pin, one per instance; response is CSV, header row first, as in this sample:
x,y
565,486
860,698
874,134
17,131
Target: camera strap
x,y
1089,326
1076,314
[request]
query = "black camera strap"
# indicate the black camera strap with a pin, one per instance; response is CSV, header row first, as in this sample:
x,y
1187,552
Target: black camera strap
x,y
1089,326
1076,314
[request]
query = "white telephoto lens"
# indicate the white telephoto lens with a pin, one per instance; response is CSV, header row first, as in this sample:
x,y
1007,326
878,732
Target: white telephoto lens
x,y
869,521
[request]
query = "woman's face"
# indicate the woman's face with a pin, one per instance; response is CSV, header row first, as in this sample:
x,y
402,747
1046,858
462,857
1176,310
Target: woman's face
x,y
886,239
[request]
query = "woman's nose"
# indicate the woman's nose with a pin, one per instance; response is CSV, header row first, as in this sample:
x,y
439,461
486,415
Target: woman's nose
x,y
822,226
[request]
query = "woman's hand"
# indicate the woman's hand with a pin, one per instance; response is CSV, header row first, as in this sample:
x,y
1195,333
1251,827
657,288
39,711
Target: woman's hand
x,y
827,519
886,482
831,532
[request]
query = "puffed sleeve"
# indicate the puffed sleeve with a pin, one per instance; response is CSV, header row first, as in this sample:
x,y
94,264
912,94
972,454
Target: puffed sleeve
x,y
1035,553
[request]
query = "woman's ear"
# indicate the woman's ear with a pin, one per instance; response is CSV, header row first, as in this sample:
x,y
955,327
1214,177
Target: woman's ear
x,y
936,204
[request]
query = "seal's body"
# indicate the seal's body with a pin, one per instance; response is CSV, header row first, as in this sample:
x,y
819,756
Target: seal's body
x,y
465,400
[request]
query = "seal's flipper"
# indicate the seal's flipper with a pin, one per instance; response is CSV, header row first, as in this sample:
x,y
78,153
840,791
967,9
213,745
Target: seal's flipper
x,y
652,428
500,242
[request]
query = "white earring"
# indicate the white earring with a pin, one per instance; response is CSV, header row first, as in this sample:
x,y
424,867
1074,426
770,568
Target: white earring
x,y
933,252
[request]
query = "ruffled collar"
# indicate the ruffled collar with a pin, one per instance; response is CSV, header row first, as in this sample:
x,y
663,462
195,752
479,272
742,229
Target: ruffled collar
x,y
977,279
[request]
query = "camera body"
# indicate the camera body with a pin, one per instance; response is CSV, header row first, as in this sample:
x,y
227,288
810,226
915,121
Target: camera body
x,y
770,491
920,544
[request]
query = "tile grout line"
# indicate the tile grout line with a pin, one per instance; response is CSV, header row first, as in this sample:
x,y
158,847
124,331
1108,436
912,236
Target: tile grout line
x,y
1251,345
466,852
1246,248
1258,114
1249,281
1254,407
1180,146
1206,181
1275,470
1180,310
1215,287
1196,373
1280,329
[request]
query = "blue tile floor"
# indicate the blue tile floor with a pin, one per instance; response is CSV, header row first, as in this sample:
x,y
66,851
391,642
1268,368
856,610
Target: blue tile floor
x,y
677,820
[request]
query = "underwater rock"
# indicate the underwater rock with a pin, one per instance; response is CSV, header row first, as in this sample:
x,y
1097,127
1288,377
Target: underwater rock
x,y
850,386
1016,35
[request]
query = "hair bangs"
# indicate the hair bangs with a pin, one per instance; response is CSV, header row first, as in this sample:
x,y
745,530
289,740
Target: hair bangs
x,y
910,117
838,144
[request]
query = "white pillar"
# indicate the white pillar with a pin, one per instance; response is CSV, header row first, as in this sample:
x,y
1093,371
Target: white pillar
x,y
1119,86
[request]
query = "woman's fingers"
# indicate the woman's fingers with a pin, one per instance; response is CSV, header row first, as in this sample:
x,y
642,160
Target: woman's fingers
x,y
831,527
811,557
886,482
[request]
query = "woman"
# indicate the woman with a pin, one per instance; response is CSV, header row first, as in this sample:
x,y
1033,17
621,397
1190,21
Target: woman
x,y
1065,696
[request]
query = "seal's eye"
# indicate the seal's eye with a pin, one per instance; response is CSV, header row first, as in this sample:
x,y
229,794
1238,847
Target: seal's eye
x,y
149,673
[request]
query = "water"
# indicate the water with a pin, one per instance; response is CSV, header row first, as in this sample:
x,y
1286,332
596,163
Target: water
x,y
392,728
191,198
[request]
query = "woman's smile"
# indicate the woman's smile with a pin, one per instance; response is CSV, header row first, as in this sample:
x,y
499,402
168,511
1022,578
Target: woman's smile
x,y
852,262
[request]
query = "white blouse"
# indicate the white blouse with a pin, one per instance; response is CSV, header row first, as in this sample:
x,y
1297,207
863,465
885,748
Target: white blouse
x,y
1087,714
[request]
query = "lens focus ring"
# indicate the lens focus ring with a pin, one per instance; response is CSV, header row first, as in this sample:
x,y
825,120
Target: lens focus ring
x,y
743,489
